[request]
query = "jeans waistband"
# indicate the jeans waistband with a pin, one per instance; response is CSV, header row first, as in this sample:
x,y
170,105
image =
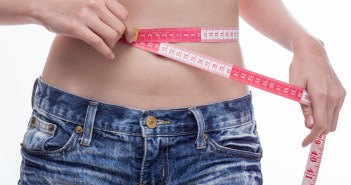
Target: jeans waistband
x,y
115,118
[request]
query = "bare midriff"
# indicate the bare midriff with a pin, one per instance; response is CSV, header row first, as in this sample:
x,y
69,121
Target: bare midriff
x,y
141,80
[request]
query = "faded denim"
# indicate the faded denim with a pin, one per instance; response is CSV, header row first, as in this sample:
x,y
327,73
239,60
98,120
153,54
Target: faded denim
x,y
72,140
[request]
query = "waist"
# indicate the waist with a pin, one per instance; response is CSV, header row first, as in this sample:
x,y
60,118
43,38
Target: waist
x,y
138,78
48,99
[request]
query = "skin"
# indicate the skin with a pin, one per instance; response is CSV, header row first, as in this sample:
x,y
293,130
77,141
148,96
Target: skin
x,y
86,58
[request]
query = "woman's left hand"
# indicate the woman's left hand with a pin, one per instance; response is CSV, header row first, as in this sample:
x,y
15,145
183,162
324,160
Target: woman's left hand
x,y
311,70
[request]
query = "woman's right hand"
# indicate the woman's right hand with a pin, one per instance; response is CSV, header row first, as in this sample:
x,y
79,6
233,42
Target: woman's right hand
x,y
100,23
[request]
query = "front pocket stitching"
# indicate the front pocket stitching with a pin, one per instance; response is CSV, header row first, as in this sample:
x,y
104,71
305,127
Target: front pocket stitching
x,y
238,153
64,150
69,145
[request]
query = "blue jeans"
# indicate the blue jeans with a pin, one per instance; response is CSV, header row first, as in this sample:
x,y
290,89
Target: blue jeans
x,y
73,140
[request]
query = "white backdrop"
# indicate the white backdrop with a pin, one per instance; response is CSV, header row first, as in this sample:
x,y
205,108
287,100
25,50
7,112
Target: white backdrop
x,y
23,51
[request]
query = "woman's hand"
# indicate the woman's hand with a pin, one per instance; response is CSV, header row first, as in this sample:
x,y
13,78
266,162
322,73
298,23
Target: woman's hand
x,y
100,23
311,70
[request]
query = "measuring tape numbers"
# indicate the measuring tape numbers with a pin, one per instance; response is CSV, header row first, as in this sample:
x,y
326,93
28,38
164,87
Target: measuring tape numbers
x,y
189,34
157,41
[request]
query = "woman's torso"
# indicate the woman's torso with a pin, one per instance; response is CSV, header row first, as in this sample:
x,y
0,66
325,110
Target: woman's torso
x,y
142,80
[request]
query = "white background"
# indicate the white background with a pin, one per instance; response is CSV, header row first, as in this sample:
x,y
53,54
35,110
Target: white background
x,y
23,51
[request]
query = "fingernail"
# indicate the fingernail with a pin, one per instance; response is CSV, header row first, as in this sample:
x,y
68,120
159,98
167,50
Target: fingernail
x,y
111,56
309,121
131,40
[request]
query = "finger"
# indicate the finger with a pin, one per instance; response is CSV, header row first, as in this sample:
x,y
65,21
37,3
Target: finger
x,y
96,42
341,98
115,24
308,114
340,101
105,32
122,14
315,132
117,9
111,20
319,114
129,32
331,106
335,119
330,114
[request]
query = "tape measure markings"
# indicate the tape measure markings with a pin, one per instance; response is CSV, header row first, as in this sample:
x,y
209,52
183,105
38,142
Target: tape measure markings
x,y
191,34
226,70
314,161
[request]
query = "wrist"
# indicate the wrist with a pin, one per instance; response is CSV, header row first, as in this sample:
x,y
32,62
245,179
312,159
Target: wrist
x,y
32,12
305,43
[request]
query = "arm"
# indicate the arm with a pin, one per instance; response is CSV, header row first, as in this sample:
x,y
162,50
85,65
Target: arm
x,y
100,23
310,67
272,19
15,12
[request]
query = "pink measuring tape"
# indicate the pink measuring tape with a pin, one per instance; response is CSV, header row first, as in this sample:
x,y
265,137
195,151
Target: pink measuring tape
x,y
156,41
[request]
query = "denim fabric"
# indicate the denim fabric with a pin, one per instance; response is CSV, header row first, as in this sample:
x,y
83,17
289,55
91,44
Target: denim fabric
x,y
73,140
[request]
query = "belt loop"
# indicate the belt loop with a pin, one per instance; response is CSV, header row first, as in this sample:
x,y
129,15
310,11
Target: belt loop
x,y
34,90
200,140
89,123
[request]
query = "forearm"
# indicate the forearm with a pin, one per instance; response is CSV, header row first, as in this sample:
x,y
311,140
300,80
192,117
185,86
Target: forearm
x,y
310,67
272,19
16,12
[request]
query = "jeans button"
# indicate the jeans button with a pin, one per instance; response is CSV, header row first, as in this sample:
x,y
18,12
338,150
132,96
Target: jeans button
x,y
52,127
151,122
32,120
79,129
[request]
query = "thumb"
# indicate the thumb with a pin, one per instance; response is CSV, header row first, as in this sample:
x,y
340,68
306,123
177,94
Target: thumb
x,y
129,33
295,78
308,114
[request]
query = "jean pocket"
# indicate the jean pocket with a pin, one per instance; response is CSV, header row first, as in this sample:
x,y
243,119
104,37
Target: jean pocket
x,y
47,135
240,141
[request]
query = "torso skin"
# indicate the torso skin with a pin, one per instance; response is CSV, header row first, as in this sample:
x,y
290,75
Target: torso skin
x,y
141,80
